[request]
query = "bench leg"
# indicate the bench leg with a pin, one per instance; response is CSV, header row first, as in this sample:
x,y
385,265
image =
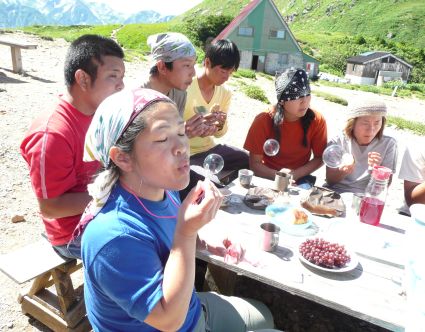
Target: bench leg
x,y
38,284
16,59
64,289
62,310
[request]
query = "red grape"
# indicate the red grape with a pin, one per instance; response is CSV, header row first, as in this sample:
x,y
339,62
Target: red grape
x,y
324,253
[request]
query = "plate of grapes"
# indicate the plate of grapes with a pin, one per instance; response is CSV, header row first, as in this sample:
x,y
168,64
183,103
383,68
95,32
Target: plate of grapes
x,y
327,256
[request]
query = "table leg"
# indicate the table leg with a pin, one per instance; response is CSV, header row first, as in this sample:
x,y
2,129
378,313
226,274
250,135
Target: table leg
x,y
220,280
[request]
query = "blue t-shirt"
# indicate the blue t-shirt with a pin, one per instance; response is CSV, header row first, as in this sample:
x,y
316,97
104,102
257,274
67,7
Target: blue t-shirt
x,y
124,251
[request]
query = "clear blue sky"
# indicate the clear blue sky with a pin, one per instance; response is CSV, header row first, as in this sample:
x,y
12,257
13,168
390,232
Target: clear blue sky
x,y
165,7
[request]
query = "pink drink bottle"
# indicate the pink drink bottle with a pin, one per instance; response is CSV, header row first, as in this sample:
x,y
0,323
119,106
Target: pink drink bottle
x,y
373,202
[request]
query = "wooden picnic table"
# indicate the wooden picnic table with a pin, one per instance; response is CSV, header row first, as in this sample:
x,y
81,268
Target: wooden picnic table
x,y
372,291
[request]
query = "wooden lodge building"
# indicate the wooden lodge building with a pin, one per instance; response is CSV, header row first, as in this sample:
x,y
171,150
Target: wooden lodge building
x,y
372,68
265,41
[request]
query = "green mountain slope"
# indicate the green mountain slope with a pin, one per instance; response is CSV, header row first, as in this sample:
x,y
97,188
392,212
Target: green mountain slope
x,y
401,20
334,30
214,7
397,20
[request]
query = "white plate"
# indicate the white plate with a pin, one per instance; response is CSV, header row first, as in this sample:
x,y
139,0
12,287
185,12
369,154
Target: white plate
x,y
285,219
352,264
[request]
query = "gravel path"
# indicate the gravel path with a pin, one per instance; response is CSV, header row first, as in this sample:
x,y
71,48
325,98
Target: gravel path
x,y
23,97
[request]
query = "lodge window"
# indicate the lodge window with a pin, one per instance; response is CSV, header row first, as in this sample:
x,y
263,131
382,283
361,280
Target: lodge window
x,y
282,59
246,31
279,34
388,60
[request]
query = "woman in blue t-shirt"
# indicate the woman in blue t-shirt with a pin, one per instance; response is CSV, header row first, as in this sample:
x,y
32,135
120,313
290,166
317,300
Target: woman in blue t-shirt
x,y
139,241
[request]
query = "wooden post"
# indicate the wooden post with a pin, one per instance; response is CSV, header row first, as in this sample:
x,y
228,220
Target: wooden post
x,y
394,91
16,59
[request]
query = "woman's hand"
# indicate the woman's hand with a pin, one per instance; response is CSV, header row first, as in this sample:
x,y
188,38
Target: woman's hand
x,y
346,169
199,208
219,245
347,166
374,159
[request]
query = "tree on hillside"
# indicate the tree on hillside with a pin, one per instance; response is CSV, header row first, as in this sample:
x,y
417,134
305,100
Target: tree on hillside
x,y
202,28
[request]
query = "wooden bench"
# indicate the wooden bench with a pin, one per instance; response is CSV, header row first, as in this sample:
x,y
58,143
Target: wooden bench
x,y
15,49
61,307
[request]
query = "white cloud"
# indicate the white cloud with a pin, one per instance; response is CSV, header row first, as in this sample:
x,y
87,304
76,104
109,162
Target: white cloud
x,y
164,7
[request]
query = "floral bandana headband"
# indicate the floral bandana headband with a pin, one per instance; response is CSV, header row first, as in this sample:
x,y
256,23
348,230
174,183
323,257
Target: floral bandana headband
x,y
113,116
292,84
170,46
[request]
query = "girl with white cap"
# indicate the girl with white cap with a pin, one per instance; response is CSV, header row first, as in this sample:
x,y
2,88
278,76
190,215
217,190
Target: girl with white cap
x,y
363,137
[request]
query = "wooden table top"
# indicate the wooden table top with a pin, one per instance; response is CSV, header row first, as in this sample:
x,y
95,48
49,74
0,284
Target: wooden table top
x,y
371,291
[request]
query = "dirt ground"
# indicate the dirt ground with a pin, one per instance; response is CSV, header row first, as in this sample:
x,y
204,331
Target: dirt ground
x,y
23,97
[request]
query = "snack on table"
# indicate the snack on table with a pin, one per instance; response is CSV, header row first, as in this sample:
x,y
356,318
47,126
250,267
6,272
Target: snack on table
x,y
323,201
319,209
300,217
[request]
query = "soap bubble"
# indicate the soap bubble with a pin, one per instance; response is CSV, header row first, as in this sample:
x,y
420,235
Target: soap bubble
x,y
332,156
213,163
335,156
271,147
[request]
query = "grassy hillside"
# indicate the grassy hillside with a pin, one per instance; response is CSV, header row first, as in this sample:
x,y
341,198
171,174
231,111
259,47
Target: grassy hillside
x,y
334,30
375,18
214,7
330,30
69,33
398,19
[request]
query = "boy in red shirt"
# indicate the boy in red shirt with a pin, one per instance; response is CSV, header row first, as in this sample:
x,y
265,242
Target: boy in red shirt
x,y
53,147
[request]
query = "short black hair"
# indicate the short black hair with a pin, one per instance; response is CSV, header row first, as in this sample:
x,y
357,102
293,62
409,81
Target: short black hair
x,y
154,69
223,53
86,53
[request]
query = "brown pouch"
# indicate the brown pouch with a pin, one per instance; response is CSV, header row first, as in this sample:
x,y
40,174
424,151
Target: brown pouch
x,y
325,202
259,198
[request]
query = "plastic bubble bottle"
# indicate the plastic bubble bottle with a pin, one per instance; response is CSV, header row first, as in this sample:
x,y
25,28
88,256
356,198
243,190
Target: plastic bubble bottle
x,y
373,202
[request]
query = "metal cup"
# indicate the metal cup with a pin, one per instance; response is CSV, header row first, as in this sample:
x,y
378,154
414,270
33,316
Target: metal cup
x,y
282,180
245,177
269,238
355,203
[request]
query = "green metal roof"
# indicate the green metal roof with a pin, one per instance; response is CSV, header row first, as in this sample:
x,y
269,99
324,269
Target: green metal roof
x,y
309,58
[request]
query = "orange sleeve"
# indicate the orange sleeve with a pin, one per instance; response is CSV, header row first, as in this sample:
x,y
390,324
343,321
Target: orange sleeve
x,y
320,135
258,133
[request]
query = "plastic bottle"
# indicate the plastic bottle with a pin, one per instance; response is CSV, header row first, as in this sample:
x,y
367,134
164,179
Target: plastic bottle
x,y
415,270
373,202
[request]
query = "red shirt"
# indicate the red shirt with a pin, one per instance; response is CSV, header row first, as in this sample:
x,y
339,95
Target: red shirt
x,y
292,153
53,148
